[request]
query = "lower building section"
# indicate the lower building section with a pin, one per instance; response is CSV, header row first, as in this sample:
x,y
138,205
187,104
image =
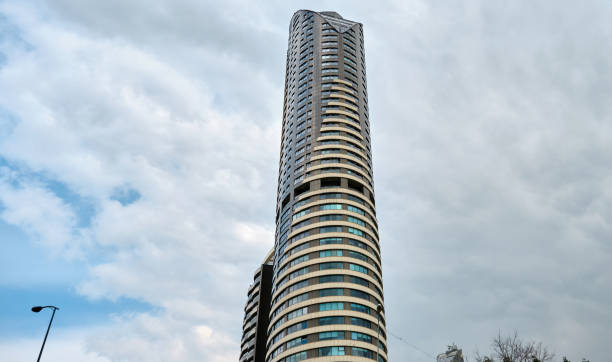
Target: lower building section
x,y
256,314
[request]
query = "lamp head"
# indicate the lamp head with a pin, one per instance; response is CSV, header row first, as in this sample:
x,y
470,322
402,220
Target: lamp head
x,y
37,309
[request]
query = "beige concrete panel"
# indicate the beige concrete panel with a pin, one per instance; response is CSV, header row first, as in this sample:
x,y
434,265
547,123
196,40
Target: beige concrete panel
x,y
343,89
334,313
339,111
342,165
316,287
335,212
343,104
340,95
315,249
316,273
337,189
344,157
348,148
330,299
335,235
342,138
343,129
322,273
330,259
319,329
338,359
338,80
327,201
332,223
319,260
329,343
255,290
355,124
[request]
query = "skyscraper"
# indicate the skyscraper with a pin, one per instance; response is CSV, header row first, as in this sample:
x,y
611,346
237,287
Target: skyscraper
x,y
327,293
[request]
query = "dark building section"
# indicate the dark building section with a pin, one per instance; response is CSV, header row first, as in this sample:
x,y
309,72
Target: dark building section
x,y
256,314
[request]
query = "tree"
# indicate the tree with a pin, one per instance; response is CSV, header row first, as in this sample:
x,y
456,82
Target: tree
x,y
513,349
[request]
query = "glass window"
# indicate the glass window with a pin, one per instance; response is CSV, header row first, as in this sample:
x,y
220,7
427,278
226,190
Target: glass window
x,y
358,244
356,221
301,259
297,286
297,327
297,313
326,253
298,299
331,196
360,308
296,342
331,351
327,241
359,294
330,217
331,306
300,203
323,152
357,280
326,266
331,229
331,335
301,224
324,321
331,207
331,279
296,357
354,254
331,292
355,209
360,322
358,268
356,336
356,351
355,232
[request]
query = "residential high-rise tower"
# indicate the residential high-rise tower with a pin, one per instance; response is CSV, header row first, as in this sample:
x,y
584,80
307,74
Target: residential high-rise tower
x,y
327,292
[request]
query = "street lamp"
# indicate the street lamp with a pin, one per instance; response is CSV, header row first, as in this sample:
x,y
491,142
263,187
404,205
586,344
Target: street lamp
x,y
38,309
379,308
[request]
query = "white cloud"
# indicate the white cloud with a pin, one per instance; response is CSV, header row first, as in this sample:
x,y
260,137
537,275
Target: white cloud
x,y
43,215
64,346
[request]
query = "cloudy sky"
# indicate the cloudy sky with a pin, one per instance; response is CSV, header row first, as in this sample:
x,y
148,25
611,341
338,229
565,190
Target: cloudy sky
x,y
139,146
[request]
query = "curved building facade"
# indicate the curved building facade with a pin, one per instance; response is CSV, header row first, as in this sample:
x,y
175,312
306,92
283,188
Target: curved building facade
x,y
327,288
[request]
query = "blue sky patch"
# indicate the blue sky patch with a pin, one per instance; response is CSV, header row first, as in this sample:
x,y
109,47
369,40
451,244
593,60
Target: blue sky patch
x,y
17,319
125,196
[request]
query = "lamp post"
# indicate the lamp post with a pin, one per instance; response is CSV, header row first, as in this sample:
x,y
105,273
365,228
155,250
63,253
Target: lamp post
x,y
38,309
379,308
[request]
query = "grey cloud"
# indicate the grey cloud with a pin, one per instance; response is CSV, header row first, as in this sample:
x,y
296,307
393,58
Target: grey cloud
x,y
495,216
500,205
